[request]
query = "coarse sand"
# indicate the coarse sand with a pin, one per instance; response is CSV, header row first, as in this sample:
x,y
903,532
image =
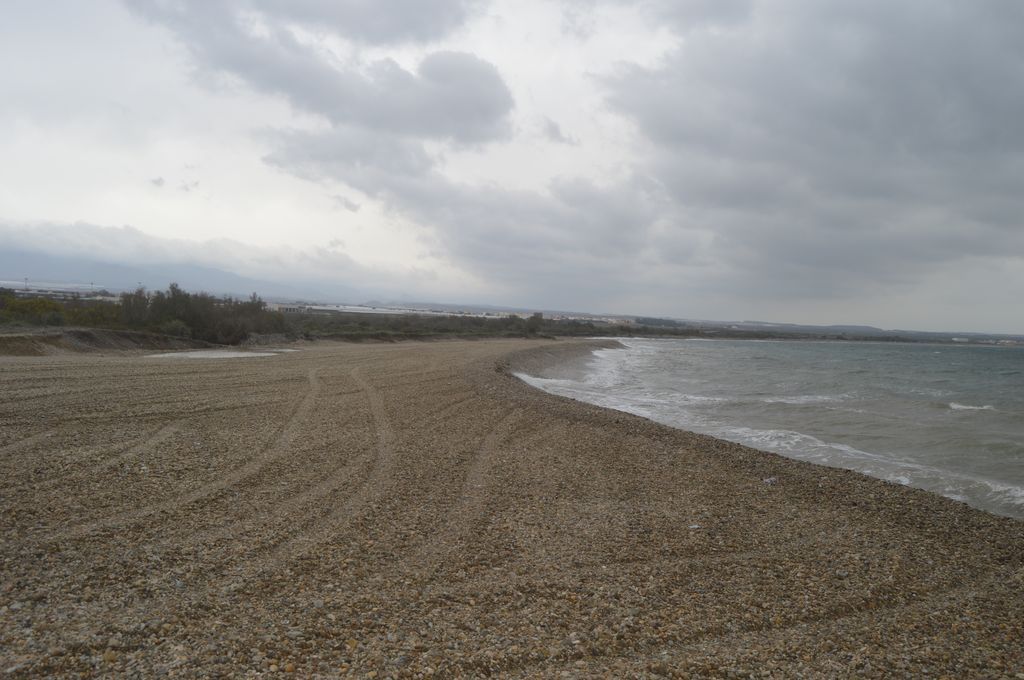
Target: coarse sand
x,y
413,510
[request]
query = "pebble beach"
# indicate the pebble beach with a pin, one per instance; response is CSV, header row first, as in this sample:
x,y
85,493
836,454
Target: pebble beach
x,y
414,510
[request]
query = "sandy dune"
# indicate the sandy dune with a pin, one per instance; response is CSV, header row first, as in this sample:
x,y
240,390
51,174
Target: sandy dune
x,y
412,510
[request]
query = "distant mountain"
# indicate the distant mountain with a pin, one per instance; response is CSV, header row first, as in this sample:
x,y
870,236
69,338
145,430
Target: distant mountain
x,y
839,328
851,331
809,328
475,308
16,265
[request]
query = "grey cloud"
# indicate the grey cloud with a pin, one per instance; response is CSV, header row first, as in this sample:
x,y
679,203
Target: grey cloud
x,y
692,14
158,182
121,256
682,15
852,144
376,21
574,241
362,159
452,95
553,132
347,204
113,243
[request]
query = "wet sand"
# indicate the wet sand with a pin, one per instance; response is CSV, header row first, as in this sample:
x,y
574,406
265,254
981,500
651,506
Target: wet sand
x,y
414,510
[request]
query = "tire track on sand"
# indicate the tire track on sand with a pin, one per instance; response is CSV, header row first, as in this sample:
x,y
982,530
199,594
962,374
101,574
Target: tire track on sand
x,y
280,443
354,465
27,442
473,498
126,452
377,481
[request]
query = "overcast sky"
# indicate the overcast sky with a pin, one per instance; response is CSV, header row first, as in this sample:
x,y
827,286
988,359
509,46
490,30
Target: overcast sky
x,y
850,161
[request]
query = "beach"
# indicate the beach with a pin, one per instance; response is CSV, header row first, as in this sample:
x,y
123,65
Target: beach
x,y
414,510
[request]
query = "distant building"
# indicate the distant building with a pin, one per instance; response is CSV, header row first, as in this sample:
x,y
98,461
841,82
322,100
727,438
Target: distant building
x,y
287,308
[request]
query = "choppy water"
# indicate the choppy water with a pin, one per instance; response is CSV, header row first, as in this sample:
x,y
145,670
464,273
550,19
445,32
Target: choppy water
x,y
949,419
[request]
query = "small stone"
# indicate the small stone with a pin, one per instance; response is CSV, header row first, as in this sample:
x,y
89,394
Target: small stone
x,y
351,644
273,668
289,667
110,656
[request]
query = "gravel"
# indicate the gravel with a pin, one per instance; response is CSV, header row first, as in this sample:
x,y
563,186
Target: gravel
x,y
413,510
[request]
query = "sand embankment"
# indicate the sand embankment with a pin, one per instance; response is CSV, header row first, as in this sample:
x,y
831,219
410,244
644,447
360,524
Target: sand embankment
x,y
49,341
413,509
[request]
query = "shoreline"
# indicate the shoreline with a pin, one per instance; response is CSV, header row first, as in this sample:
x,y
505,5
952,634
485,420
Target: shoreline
x,y
414,510
573,369
529,361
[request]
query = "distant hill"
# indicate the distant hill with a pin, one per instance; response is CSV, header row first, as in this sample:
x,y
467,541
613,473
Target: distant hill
x,y
15,265
475,308
840,330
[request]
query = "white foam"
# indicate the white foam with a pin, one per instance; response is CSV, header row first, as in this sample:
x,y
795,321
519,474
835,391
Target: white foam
x,y
947,482
797,445
965,407
210,354
635,381
806,399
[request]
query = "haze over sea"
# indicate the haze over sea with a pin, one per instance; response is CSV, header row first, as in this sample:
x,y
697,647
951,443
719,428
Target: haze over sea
x,y
946,418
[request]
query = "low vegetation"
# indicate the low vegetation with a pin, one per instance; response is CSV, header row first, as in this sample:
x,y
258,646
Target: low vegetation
x,y
355,326
225,320
229,321
173,312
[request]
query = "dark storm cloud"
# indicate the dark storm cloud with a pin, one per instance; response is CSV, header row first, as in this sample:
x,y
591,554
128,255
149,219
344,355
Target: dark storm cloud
x,y
850,143
451,95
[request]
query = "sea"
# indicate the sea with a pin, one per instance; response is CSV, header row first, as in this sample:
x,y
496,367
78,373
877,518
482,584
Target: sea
x,y
946,418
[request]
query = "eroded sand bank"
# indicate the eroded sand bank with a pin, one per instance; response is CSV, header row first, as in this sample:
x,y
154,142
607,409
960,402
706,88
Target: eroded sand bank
x,y
413,509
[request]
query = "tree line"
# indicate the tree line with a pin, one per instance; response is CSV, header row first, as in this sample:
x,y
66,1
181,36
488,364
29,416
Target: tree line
x,y
176,312
227,320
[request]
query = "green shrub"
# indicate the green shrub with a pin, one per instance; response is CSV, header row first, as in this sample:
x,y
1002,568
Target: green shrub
x,y
176,328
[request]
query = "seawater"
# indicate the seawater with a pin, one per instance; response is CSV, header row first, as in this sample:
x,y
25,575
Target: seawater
x,y
946,418
214,354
